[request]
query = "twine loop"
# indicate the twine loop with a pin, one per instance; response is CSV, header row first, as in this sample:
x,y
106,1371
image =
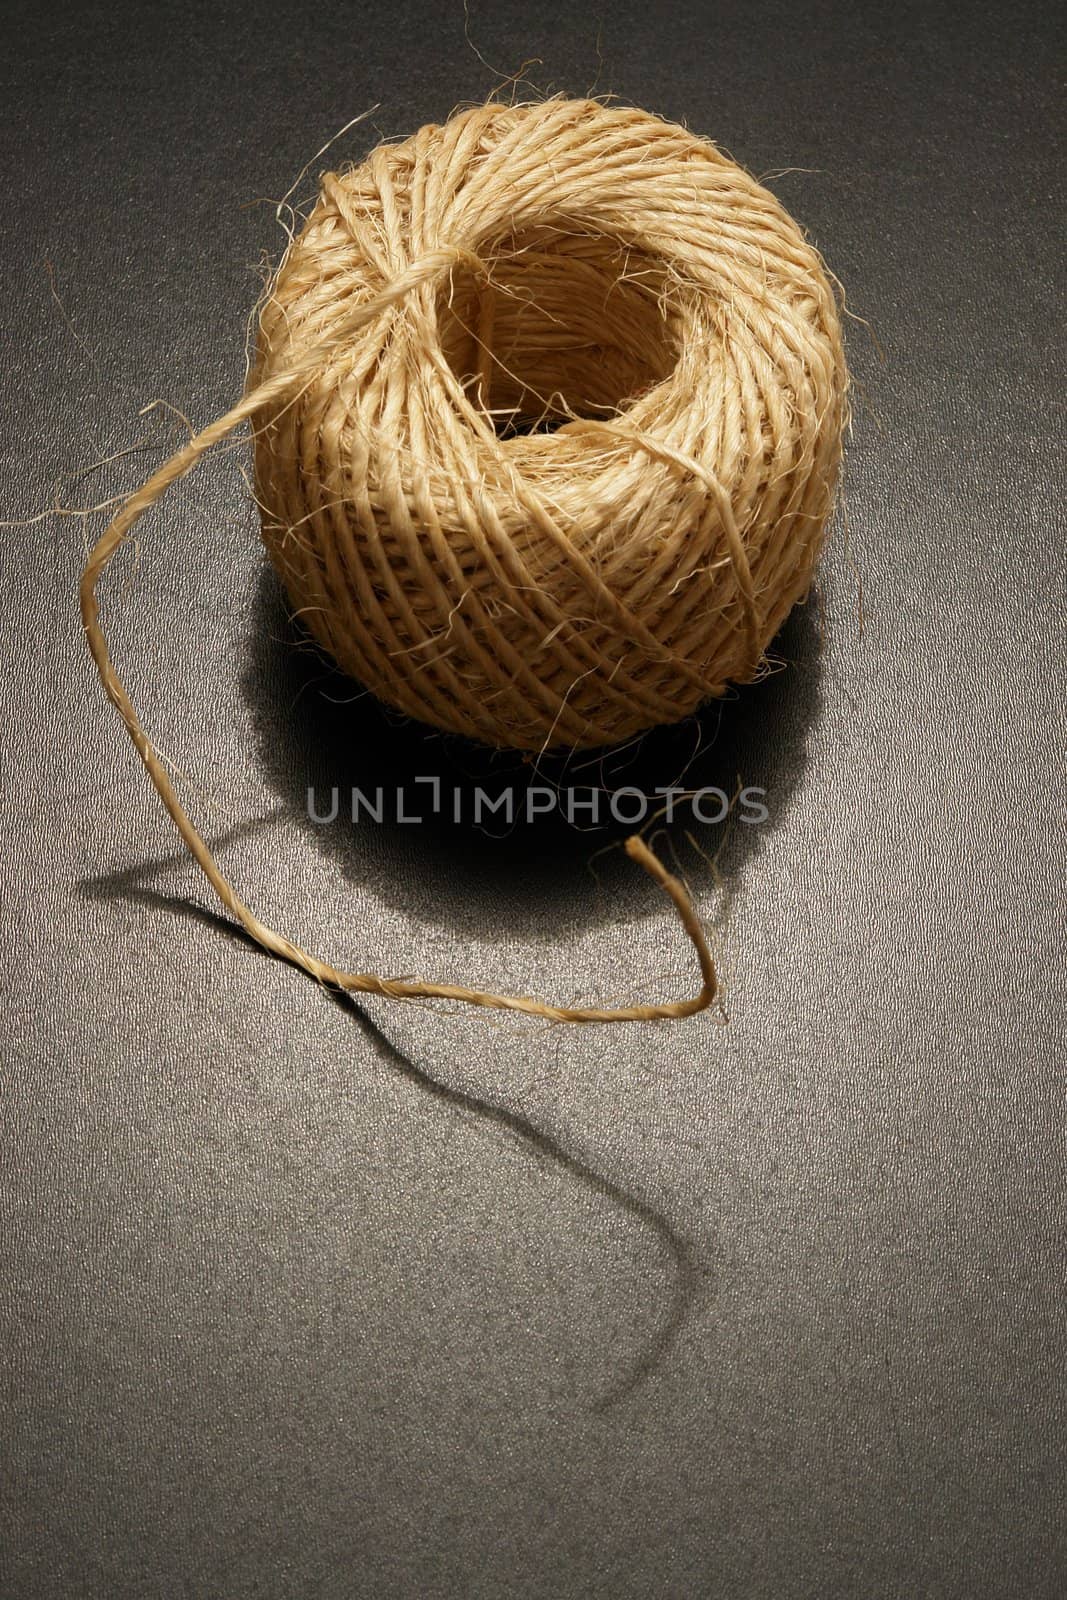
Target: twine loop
x,y
547,411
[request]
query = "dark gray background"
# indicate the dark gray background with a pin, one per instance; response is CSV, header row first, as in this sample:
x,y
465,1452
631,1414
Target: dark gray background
x,y
304,1300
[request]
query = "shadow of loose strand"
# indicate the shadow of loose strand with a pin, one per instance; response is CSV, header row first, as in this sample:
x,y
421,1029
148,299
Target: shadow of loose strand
x,y
130,884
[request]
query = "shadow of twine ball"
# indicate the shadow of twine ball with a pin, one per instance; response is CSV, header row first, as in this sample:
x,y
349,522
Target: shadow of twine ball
x,y
569,481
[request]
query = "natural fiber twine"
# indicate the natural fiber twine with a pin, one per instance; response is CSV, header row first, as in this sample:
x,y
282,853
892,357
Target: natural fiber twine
x,y
548,407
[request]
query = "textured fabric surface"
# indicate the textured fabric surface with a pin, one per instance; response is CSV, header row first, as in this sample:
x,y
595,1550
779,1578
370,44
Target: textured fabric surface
x,y
303,1300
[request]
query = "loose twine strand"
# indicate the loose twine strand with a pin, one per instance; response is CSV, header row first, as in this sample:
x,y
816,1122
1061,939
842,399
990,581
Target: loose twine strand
x,y
588,265
278,388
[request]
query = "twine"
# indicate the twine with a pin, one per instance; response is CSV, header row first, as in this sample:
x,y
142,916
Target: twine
x,y
548,407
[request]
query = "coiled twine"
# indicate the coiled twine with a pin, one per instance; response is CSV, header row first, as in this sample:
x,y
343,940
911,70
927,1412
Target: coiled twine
x,y
547,411
568,426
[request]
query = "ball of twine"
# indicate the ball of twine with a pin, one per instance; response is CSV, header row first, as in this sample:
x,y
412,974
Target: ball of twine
x,y
569,482
547,412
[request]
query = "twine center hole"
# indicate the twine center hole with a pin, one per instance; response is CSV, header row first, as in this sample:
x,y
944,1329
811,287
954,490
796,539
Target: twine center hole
x,y
568,325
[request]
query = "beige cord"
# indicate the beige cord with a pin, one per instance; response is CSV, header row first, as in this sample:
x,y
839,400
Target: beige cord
x,y
365,982
574,264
